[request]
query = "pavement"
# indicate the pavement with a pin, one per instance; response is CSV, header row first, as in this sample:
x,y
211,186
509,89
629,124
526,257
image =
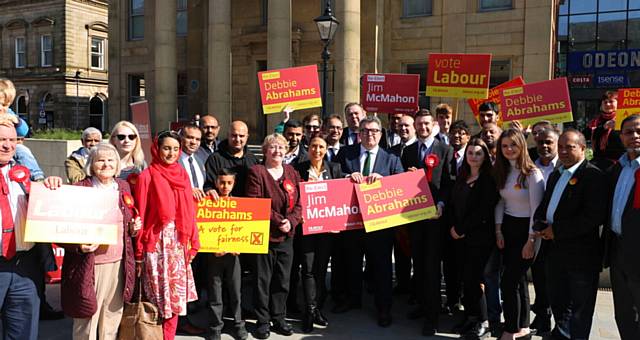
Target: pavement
x,y
359,324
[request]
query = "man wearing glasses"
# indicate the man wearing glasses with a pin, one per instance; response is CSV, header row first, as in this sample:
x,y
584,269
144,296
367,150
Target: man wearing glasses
x,y
209,144
368,162
332,129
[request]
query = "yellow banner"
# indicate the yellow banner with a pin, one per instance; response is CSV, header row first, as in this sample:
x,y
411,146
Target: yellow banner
x,y
457,92
621,114
400,219
71,232
296,105
562,117
234,237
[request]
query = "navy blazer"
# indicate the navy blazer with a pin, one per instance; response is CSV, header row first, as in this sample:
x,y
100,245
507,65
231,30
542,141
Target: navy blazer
x,y
440,184
383,139
386,164
578,216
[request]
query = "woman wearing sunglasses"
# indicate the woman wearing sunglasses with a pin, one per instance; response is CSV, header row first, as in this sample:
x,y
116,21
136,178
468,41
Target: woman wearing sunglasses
x,y
125,138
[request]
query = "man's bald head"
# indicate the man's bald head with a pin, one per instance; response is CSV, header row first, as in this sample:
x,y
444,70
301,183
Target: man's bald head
x,y
210,128
238,136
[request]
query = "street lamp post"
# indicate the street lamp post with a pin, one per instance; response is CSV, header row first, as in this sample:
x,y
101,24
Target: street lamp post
x,y
77,77
327,26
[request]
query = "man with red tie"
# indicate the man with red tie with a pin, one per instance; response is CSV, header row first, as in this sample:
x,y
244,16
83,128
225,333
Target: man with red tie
x,y
20,262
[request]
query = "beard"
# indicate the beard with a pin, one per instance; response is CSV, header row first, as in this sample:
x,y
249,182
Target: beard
x,y
636,151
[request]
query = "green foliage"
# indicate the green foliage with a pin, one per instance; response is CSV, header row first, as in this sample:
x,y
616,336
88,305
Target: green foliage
x,y
60,134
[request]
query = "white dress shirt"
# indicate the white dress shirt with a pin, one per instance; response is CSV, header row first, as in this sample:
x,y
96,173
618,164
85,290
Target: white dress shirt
x,y
547,169
184,160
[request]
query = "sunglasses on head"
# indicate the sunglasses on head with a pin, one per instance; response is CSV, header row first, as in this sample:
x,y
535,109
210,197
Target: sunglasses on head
x,y
122,137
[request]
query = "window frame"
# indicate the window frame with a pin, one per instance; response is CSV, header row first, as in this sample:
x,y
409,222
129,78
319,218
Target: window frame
x,y
482,8
17,52
131,17
100,54
184,10
405,8
43,51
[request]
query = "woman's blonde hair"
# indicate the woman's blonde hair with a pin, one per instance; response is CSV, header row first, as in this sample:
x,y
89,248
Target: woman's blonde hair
x,y
8,120
7,92
137,156
274,138
101,149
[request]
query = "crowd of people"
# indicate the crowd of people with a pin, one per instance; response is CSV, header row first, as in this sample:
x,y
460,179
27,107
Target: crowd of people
x,y
502,209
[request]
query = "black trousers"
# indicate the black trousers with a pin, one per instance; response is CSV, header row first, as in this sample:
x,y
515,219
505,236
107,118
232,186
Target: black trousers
x,y
452,266
474,259
402,258
572,294
314,251
538,273
224,274
339,270
377,246
426,239
515,293
272,282
625,284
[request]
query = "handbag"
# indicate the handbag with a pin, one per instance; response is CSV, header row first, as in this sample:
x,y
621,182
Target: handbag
x,y
140,320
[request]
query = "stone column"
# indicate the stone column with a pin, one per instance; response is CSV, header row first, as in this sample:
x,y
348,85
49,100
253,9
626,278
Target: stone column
x,y
164,103
278,44
219,63
538,40
347,54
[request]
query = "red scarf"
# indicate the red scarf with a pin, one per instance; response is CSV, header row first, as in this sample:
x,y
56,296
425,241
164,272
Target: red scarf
x,y
170,196
599,121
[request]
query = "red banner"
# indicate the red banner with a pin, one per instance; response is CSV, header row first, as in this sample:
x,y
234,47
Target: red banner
x,y
140,118
531,103
458,75
297,87
494,95
628,104
395,200
329,206
390,93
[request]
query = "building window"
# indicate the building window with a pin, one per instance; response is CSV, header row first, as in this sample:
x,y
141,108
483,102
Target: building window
x,y
495,5
264,12
96,113
136,88
21,108
421,69
136,19
416,8
500,72
46,51
97,53
181,18
21,58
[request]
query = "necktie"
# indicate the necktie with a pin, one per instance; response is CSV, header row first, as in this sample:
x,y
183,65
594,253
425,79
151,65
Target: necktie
x,y
332,154
402,146
367,164
354,138
194,178
423,152
8,235
456,155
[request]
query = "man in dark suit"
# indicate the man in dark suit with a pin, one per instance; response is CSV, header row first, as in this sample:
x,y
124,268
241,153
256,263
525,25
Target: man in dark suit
x,y
407,133
354,113
368,162
624,232
569,217
293,132
332,130
426,236
210,127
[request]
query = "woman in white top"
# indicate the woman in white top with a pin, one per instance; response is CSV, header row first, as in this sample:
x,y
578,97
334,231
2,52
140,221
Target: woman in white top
x,y
521,187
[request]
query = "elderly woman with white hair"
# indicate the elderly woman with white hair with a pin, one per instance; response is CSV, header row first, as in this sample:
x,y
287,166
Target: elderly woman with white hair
x,y
98,279
74,164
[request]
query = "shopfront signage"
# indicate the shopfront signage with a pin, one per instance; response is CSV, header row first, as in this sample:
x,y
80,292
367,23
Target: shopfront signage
x,y
591,61
611,80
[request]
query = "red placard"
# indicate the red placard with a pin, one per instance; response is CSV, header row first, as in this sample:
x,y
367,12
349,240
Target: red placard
x,y
458,75
140,118
297,87
531,103
55,275
494,95
390,93
628,104
395,200
329,206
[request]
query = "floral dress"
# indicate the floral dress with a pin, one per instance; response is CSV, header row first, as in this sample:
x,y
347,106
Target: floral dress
x,y
168,281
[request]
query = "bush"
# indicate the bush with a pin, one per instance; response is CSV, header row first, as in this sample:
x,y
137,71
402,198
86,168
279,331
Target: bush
x,y
61,134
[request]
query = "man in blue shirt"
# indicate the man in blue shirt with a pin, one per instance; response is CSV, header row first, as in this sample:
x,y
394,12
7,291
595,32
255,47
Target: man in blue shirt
x,y
624,231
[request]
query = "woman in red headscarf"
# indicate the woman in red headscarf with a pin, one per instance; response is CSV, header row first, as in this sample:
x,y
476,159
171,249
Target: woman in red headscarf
x,y
169,237
605,141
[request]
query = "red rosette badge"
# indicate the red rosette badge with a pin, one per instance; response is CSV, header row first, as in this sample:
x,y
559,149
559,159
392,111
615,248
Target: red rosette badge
x,y
132,179
129,202
288,186
21,174
430,162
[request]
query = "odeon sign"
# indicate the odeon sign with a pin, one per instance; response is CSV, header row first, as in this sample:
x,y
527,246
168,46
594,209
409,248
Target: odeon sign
x,y
604,60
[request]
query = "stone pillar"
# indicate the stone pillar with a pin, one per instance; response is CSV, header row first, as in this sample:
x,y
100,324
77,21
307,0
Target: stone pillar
x,y
380,34
278,44
347,54
538,40
219,64
164,103
454,21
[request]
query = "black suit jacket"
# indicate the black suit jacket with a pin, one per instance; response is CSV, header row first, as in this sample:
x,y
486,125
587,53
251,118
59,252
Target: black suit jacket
x,y
386,164
578,216
477,220
302,156
440,184
333,170
345,141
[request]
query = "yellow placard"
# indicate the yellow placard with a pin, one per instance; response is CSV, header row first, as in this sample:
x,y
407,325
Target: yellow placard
x,y
621,114
457,92
557,118
296,105
70,232
234,237
400,219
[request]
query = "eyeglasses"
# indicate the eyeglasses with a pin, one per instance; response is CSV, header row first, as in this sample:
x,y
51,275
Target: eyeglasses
x,y
212,127
370,131
130,137
312,127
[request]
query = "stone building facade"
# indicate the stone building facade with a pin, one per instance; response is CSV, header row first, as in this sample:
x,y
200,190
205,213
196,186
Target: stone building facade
x,y
200,56
55,51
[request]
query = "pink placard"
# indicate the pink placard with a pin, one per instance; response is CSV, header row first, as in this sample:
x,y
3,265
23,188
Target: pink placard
x,y
329,206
